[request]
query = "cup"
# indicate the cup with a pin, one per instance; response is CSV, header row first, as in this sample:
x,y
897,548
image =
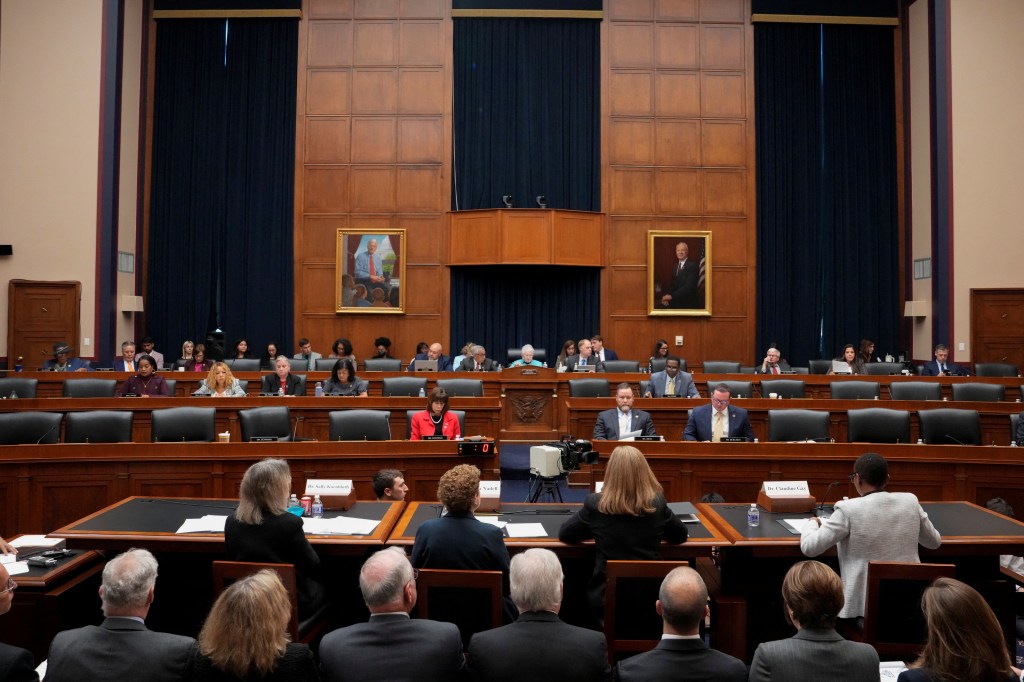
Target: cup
x,y
773,396
224,437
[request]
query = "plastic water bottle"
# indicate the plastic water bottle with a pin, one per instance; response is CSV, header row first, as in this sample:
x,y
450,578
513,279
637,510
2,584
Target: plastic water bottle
x,y
920,441
19,364
318,507
753,516
319,390
423,393
293,501
280,391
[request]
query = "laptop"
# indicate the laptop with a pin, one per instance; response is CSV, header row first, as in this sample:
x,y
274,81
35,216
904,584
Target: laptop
x,y
424,366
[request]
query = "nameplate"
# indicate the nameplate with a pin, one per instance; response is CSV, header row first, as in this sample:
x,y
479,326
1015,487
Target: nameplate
x,y
732,439
786,489
648,438
129,395
490,488
262,439
435,438
328,486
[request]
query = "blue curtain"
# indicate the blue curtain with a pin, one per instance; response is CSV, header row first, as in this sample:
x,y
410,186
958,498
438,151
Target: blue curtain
x,y
220,235
527,113
828,242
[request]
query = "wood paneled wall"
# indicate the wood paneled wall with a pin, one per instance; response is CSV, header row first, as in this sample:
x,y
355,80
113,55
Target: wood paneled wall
x,y
374,149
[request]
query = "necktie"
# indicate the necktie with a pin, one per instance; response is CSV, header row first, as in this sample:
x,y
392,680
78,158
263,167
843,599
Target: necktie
x,y
478,367
624,423
583,362
717,431
775,369
943,369
373,270
670,387
131,366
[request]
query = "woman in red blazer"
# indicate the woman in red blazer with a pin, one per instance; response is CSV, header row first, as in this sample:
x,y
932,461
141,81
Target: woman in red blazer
x,y
436,420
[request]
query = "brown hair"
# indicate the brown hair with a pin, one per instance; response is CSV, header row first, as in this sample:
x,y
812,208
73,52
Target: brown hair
x,y
211,380
264,489
630,486
814,593
458,487
438,394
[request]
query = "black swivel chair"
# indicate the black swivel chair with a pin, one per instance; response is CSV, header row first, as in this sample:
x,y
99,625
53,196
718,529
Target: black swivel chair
x,y
383,365
854,390
797,425
995,369
881,369
513,354
878,425
23,388
915,390
818,366
184,424
360,425
588,388
459,414
622,365
99,426
298,365
737,389
89,388
243,364
265,422
721,367
950,426
403,386
30,428
473,388
325,364
785,388
976,392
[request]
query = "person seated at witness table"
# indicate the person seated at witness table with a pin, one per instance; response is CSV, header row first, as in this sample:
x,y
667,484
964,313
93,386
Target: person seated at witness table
x,y
342,348
188,349
940,367
269,357
568,350
382,344
719,419
7,548
434,352
583,358
282,380
614,424
344,381
600,352
812,595
63,362
148,349
852,360
877,526
527,358
627,520
867,351
660,352
389,485
199,361
146,383
240,351
964,640
479,362
671,382
436,420
773,363
245,637
262,529
220,383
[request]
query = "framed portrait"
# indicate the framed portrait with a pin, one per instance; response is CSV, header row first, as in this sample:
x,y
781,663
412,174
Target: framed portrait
x,y
679,272
370,271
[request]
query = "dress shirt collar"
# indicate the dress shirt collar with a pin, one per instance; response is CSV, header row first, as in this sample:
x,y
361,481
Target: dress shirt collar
x,y
668,636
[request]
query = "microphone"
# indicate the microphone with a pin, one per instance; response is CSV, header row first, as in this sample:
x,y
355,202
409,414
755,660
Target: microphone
x,y
48,432
824,497
954,439
295,427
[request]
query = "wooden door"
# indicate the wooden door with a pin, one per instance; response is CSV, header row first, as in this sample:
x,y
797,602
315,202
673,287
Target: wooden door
x,y
38,314
997,325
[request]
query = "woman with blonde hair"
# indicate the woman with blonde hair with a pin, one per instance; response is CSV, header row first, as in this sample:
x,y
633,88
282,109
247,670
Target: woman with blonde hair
x,y
245,636
627,520
220,383
965,641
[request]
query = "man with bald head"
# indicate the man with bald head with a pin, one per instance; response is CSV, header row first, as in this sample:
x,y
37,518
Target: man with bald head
x,y
435,352
391,646
682,654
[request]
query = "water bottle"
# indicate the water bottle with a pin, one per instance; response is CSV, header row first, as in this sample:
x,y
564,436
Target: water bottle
x,y
19,364
319,390
293,501
920,441
423,393
318,507
753,516
280,391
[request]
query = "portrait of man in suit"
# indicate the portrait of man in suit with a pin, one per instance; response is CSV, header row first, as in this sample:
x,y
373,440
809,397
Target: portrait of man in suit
x,y
679,273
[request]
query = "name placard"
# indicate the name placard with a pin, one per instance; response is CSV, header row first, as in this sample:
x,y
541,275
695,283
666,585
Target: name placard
x,y
490,489
776,489
328,486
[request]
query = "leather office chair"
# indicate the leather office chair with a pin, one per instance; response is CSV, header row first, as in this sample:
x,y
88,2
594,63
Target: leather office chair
x,y
748,369
383,365
800,370
403,386
995,369
737,389
243,364
473,388
631,587
588,388
360,425
265,422
819,366
658,365
513,354
184,424
89,388
950,426
307,630
99,426
893,621
986,393
854,390
786,388
797,425
172,386
622,365
881,369
298,365
24,388
721,367
645,386
473,600
878,425
915,390
325,364
30,428
459,414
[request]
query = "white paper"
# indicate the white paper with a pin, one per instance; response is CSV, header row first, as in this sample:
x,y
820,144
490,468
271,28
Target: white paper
x,y
339,525
211,523
491,520
41,668
794,525
630,435
8,558
526,530
890,670
17,568
34,541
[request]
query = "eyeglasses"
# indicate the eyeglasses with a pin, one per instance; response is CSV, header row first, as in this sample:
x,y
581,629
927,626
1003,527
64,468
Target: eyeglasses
x,y
415,574
850,476
716,401
11,585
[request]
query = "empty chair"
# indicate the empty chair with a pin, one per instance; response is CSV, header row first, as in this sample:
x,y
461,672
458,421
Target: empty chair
x,y
89,388
184,424
995,369
622,365
459,414
854,390
878,425
721,367
950,426
985,393
513,354
819,366
383,365
360,425
883,368
472,600
800,370
588,388
30,428
737,389
243,364
473,388
410,386
266,422
24,388
298,364
99,426
915,390
325,364
796,425
172,385
748,369
893,622
785,388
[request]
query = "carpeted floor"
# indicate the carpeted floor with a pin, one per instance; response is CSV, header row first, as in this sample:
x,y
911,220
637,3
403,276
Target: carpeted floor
x,y
515,477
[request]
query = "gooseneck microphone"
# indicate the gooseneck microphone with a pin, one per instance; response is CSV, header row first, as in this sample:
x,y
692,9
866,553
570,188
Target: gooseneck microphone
x,y
954,439
48,432
824,497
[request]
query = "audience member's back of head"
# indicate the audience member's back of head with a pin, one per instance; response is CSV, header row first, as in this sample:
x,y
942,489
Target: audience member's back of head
x,y
813,592
458,487
536,578
683,598
383,578
127,581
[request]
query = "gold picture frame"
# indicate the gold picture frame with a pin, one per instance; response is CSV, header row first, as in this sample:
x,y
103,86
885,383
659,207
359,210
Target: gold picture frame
x,y
363,287
679,289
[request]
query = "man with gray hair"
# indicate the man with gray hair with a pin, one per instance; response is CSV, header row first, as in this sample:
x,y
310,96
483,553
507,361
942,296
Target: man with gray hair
x,y
391,646
538,645
121,648
478,361
682,654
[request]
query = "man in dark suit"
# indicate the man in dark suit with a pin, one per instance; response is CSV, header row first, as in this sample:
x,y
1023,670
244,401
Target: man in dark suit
x,y
600,352
538,645
939,367
16,664
671,383
583,358
732,421
682,654
282,378
478,361
773,363
121,648
611,423
391,646
126,363
685,278
435,352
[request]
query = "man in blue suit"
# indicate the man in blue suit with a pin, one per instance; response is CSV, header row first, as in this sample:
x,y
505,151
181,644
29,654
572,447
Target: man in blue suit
x,y
611,423
732,421
671,383
939,367
444,362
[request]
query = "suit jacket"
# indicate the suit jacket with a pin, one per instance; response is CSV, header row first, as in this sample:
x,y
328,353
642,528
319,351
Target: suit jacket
x,y
422,425
699,426
684,285
192,366
468,365
155,385
573,360
684,385
17,665
120,365
296,665
783,368
118,649
391,647
881,526
609,354
814,655
444,362
535,648
293,385
74,364
607,425
931,369
683,659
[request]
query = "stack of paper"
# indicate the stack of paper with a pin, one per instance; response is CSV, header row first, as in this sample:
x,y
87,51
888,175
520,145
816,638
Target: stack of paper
x,y
208,524
339,525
